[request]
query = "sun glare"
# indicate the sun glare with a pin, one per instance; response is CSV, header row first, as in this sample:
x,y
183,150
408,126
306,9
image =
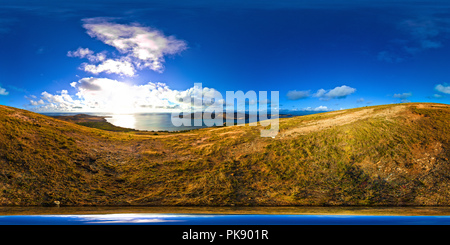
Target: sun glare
x,y
122,120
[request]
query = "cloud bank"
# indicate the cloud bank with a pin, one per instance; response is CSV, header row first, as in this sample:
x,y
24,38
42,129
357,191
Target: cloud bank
x,y
109,95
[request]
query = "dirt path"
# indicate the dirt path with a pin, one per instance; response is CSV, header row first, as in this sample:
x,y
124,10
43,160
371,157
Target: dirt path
x,y
342,118
163,136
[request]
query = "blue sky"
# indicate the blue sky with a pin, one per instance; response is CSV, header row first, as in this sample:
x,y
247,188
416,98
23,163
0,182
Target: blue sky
x,y
147,55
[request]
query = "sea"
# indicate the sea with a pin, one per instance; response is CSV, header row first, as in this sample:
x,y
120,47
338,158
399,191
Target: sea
x,y
158,121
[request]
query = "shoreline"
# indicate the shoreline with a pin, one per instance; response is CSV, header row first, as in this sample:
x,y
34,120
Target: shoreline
x,y
100,122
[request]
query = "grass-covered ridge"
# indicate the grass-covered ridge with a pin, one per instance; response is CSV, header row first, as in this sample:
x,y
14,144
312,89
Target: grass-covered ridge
x,y
380,155
93,122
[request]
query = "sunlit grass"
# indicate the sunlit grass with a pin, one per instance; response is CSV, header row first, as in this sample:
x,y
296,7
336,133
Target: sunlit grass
x,y
401,159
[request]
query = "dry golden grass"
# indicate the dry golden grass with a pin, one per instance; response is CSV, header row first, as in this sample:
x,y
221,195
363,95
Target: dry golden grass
x,y
381,155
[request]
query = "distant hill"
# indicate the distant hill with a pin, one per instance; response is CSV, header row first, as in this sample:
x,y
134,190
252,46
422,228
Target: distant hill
x,y
380,155
81,118
93,122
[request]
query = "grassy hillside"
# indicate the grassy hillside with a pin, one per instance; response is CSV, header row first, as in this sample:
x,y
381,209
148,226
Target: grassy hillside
x,y
380,155
93,122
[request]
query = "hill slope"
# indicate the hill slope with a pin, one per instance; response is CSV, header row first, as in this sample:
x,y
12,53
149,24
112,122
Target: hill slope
x,y
380,155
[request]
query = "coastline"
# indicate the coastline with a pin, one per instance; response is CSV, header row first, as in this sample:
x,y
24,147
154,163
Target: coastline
x,y
101,122
92,121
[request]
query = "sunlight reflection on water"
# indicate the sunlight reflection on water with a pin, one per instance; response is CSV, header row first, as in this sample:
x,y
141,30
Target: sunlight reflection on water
x,y
148,122
123,120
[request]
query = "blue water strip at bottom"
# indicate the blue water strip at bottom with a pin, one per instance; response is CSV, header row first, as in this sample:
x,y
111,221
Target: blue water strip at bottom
x,y
210,219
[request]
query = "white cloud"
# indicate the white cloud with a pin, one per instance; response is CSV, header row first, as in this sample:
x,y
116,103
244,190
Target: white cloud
x,y
320,93
296,95
139,47
403,97
80,52
443,89
36,103
97,57
145,47
3,91
319,108
108,95
88,54
61,101
120,67
336,93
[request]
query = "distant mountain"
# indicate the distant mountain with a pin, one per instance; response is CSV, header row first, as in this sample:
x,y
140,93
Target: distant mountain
x,y
380,155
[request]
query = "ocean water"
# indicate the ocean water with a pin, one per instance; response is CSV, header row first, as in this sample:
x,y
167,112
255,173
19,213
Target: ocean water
x,y
149,121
